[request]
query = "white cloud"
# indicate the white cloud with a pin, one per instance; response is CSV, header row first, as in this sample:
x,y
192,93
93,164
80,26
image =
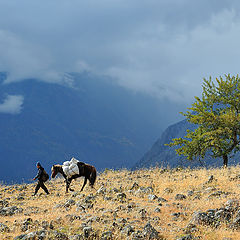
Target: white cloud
x,y
12,104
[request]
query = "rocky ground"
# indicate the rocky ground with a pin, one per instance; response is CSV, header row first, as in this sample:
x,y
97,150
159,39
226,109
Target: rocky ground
x,y
145,204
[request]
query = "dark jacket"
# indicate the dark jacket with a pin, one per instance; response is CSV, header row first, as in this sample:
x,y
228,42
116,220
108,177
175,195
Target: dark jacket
x,y
41,175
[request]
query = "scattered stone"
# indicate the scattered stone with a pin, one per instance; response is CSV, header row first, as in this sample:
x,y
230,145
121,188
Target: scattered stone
x,y
210,179
157,210
168,190
76,237
9,211
223,215
149,232
161,200
186,237
107,235
87,231
101,190
232,205
4,228
60,236
191,228
128,230
142,214
4,203
180,197
121,196
26,224
134,186
190,193
217,194
152,197
69,203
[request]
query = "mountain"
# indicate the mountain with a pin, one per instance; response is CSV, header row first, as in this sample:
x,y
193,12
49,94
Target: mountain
x,y
165,156
93,120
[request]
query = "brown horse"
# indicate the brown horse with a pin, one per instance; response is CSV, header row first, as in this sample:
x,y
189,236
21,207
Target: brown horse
x,y
86,170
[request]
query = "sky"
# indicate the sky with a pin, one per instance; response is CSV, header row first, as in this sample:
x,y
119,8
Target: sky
x,y
157,47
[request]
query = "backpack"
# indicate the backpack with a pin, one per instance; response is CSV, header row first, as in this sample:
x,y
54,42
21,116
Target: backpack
x,y
45,176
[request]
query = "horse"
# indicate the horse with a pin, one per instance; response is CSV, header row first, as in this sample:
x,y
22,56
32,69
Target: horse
x,y
86,170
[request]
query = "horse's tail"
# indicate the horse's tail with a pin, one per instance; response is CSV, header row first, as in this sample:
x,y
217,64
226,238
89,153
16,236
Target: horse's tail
x,y
93,176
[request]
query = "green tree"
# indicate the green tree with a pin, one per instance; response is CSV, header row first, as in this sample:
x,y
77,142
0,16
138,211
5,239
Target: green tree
x,y
217,117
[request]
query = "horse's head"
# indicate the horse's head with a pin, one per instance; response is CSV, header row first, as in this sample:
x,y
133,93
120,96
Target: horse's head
x,y
54,170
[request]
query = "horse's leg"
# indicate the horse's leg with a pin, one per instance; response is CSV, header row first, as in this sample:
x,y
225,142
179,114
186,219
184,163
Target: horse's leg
x,y
68,182
85,181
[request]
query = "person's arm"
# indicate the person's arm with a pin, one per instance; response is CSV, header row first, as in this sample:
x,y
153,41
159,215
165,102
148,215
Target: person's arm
x,y
38,175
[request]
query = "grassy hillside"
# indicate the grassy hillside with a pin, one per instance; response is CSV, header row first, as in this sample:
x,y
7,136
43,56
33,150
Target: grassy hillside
x,y
142,204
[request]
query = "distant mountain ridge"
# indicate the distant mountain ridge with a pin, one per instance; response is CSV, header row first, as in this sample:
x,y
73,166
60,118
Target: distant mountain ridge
x,y
94,121
165,156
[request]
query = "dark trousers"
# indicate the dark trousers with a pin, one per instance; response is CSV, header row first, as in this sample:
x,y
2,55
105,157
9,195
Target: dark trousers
x,y
41,184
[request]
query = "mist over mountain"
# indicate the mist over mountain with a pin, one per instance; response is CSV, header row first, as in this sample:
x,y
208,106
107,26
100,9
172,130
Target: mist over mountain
x,y
93,120
164,156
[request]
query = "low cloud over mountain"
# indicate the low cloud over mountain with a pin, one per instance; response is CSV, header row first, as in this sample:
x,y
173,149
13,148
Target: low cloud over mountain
x,y
12,104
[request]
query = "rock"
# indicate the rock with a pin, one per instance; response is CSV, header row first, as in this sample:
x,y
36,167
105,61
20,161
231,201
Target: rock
x,y
168,190
121,220
180,197
21,237
210,179
142,191
161,200
128,230
134,186
9,211
175,216
235,224
190,193
150,232
223,215
121,196
101,190
87,231
60,236
142,214
115,190
76,237
89,199
152,197
20,197
190,228
186,237
25,224
138,235
107,235
199,218
4,228
232,205
157,210
217,194
69,203
32,235
45,224
205,218
4,203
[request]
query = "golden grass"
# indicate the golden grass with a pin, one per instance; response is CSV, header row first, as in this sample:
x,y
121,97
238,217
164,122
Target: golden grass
x,y
175,180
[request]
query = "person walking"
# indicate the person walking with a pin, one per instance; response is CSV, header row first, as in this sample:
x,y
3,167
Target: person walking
x,y
42,177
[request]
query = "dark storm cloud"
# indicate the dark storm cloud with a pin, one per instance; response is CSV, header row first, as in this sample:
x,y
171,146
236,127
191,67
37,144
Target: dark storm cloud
x,y
163,48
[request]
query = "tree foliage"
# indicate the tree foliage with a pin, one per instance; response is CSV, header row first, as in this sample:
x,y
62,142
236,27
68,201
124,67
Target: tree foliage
x,y
217,117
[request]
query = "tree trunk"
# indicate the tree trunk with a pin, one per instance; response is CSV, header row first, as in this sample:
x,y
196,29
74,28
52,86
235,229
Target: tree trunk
x,y
225,160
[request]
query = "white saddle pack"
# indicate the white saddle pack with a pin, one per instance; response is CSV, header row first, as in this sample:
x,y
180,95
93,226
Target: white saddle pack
x,y
70,168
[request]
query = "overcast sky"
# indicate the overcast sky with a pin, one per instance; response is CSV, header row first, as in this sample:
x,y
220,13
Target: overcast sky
x,y
163,48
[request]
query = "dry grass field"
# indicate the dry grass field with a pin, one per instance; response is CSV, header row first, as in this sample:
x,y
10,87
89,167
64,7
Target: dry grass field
x,y
144,204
